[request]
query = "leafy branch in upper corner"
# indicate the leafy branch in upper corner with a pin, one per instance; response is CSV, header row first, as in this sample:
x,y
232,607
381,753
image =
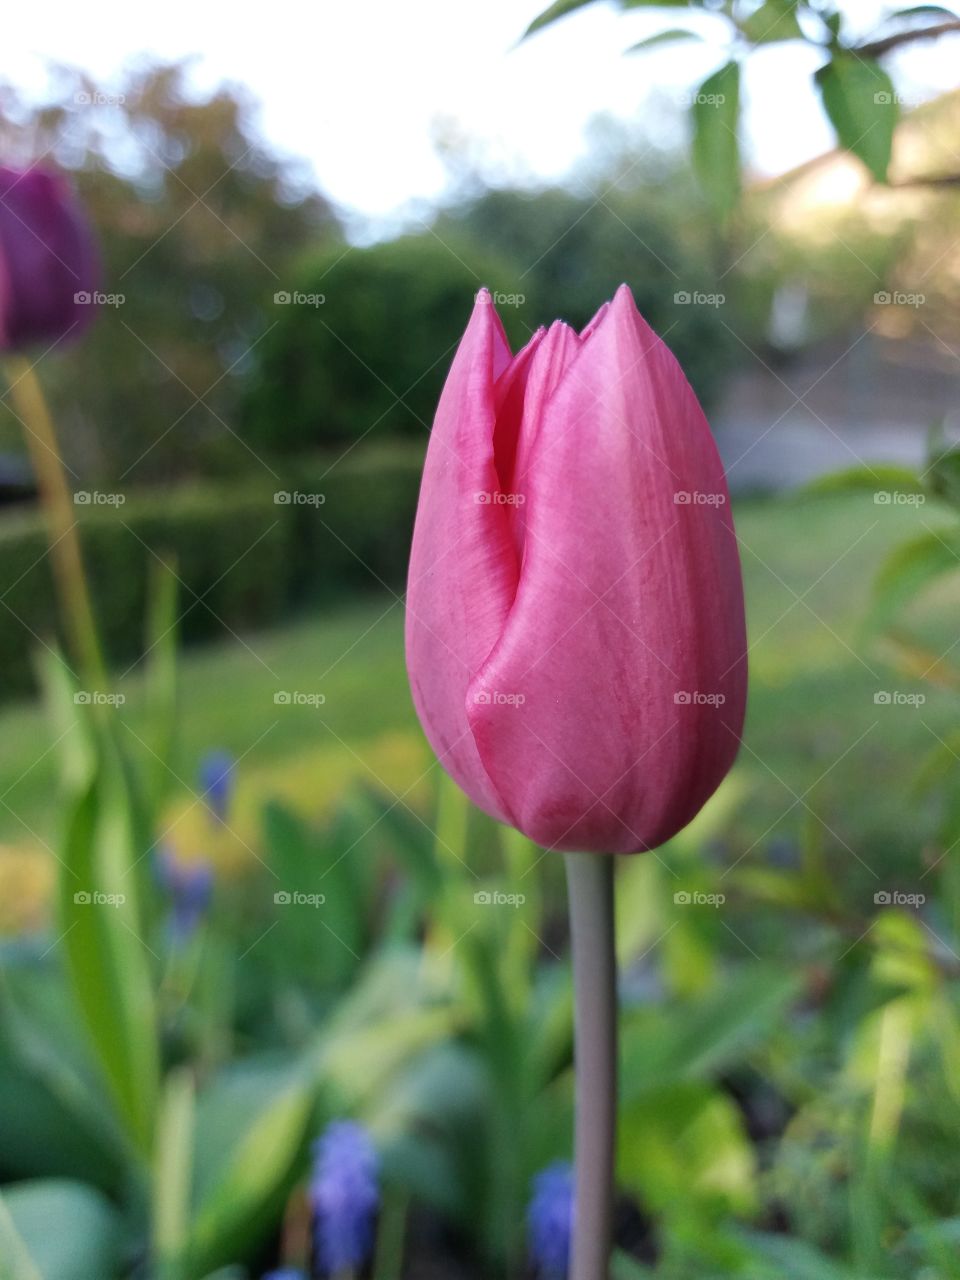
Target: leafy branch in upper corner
x,y
857,93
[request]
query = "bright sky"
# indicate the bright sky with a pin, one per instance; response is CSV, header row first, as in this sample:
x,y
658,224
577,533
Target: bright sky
x,y
357,88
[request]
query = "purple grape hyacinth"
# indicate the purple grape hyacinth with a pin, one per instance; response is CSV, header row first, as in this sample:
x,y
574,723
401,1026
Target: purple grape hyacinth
x,y
550,1221
190,887
344,1196
216,781
284,1273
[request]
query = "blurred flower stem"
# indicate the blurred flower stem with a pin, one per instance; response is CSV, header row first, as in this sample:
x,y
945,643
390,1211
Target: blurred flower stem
x,y
590,887
56,500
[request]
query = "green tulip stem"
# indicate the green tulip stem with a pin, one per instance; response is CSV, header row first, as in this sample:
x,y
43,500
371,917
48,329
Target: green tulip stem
x,y
57,502
590,887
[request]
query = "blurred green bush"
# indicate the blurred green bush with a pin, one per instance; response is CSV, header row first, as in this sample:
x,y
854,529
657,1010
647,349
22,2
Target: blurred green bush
x,y
367,347
245,554
372,356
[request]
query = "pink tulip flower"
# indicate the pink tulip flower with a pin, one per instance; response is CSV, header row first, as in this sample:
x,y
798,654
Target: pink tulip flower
x,y
575,627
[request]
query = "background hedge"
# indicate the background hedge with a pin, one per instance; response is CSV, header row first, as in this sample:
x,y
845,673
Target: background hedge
x,y
244,554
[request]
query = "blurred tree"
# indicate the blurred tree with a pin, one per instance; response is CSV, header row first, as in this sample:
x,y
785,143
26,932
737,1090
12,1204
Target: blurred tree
x,y
571,251
362,346
198,223
367,347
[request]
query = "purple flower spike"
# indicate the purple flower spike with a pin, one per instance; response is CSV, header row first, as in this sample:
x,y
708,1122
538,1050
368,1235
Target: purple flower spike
x,y
550,1221
49,268
216,781
285,1273
344,1196
190,886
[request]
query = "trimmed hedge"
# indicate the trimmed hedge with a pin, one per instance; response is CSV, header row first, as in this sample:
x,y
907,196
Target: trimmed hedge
x,y
246,554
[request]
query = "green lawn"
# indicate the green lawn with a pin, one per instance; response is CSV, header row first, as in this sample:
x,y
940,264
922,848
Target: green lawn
x,y
813,732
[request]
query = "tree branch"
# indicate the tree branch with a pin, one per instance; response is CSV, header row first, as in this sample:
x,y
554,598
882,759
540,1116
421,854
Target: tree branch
x,y
877,48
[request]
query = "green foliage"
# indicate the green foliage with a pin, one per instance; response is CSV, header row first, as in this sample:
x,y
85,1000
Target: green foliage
x,y
242,558
716,146
789,1066
570,252
858,95
371,357
910,569
862,104
58,1230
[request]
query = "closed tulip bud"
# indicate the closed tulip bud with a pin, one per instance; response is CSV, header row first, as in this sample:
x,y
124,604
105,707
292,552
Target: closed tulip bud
x,y
48,262
575,624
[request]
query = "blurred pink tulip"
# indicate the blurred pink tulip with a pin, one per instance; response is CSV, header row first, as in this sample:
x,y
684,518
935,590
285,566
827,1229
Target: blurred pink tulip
x,y
575,626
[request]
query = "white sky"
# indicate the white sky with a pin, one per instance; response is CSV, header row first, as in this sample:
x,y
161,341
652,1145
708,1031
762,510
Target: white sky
x,y
356,86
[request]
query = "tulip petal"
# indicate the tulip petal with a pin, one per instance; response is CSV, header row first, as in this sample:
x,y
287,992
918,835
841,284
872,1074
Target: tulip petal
x,y
463,564
611,705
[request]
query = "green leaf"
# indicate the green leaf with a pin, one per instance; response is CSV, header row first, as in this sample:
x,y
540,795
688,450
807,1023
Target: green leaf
x,y
323,941
244,1175
943,476
878,478
71,727
70,1231
161,677
101,932
698,1039
623,1267
861,102
15,1260
173,1169
774,20
51,1113
664,37
778,1256
924,11
683,1147
716,147
559,9
910,569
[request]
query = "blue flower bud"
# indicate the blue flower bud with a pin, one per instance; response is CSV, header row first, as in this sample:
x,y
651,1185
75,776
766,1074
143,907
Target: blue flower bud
x,y
550,1221
344,1195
